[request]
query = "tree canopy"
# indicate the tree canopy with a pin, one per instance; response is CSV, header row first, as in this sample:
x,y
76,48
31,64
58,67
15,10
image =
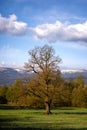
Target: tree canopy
x,y
45,65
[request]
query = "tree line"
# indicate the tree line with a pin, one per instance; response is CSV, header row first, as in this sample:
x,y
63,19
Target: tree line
x,y
46,87
70,93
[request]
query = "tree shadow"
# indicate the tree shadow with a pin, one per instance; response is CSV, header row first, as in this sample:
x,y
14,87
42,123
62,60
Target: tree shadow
x,y
65,108
31,128
7,124
5,107
70,113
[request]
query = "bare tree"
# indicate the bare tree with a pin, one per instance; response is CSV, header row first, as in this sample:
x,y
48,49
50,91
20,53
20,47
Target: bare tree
x,y
43,62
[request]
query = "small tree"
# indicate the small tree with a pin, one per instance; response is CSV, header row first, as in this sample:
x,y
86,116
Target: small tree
x,y
3,91
79,81
15,93
45,65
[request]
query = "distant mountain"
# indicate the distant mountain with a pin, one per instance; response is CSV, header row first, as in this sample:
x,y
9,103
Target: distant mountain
x,y
73,73
9,75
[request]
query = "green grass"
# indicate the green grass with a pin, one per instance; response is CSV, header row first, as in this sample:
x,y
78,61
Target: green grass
x,y
61,119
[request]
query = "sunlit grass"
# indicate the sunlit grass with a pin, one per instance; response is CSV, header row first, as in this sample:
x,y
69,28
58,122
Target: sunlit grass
x,y
61,119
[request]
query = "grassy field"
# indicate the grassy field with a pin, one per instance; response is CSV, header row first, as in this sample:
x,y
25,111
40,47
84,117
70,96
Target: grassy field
x,y
61,119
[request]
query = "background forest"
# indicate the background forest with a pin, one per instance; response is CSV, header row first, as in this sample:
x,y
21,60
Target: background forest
x,y
70,93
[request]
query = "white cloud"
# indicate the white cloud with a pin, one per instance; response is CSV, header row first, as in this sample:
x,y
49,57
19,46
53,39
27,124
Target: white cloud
x,y
58,31
61,31
11,64
12,26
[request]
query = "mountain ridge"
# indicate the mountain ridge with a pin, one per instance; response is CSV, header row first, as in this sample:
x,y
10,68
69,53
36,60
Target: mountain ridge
x,y
9,75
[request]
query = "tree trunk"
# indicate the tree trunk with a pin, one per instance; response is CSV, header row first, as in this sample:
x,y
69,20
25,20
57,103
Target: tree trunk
x,y
47,108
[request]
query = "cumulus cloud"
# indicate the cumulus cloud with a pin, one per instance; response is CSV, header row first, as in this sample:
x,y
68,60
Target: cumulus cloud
x,y
12,26
61,32
57,31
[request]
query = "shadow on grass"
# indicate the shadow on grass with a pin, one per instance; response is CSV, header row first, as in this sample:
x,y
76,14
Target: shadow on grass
x,y
8,124
30,128
65,108
7,120
70,113
72,110
5,107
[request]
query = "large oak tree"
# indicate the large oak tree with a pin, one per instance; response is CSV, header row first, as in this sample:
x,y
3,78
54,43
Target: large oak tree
x,y
44,84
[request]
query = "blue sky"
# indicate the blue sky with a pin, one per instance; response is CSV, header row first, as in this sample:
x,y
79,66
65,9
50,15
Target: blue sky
x,y
25,24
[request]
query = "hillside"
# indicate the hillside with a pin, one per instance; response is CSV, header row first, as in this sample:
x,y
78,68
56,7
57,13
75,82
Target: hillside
x,y
9,75
73,73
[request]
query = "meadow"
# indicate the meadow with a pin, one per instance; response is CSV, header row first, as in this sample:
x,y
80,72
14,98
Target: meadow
x,y
64,118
